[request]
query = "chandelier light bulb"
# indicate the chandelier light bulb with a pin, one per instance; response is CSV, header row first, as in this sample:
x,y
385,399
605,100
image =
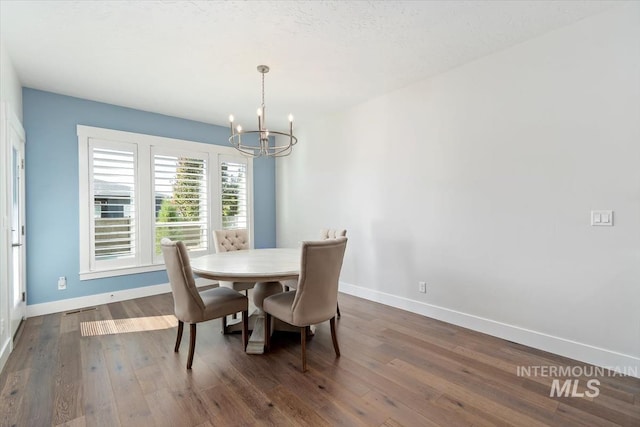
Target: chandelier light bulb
x,y
290,117
259,112
239,128
231,118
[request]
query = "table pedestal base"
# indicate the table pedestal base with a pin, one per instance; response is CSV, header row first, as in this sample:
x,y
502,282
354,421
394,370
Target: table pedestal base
x,y
261,291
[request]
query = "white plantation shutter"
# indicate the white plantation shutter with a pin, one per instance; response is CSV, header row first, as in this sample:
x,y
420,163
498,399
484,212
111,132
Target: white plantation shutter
x,y
233,193
135,189
181,203
113,192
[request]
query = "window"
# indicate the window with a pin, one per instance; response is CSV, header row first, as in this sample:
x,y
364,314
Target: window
x,y
136,189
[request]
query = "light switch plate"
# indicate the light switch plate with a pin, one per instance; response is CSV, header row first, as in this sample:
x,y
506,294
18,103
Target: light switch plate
x,y
602,218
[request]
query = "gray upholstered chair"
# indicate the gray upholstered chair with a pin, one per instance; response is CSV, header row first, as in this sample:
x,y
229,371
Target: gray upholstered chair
x,y
192,306
325,233
314,300
232,240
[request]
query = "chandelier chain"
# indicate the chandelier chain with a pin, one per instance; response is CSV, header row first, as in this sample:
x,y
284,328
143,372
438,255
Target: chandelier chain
x,y
262,90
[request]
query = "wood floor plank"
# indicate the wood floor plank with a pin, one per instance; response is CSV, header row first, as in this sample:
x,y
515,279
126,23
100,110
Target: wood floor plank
x,y
77,422
226,408
68,379
474,374
151,378
464,394
401,413
570,416
99,403
132,407
166,410
338,404
22,355
420,403
12,398
472,414
296,408
192,401
39,404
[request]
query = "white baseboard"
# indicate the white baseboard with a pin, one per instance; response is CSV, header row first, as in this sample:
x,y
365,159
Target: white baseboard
x,y
4,352
560,346
106,298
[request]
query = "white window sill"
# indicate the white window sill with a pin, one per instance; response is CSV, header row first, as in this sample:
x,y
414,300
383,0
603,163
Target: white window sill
x,y
89,275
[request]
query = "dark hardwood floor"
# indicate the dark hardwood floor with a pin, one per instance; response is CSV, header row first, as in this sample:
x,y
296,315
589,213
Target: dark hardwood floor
x,y
396,368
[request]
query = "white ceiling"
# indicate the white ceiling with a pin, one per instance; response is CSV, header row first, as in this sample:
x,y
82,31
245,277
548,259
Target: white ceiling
x,y
197,59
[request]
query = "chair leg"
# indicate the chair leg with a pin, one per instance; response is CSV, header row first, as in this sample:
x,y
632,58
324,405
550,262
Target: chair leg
x,y
179,338
334,337
192,345
235,315
224,324
338,310
245,328
303,344
267,331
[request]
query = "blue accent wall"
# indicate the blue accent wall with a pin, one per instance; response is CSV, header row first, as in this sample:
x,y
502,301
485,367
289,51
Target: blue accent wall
x,y
50,122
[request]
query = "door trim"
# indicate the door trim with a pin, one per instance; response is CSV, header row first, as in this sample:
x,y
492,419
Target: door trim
x,y
9,123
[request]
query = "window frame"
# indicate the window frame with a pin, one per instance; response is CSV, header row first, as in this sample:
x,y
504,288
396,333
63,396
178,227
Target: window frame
x,y
146,146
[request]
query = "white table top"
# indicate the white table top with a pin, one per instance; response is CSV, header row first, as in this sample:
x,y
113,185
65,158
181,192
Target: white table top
x,y
254,265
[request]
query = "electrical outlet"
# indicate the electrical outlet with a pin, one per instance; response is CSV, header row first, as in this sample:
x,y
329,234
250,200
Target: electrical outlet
x,y
422,287
62,283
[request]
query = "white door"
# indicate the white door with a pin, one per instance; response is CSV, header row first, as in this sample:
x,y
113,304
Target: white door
x,y
17,253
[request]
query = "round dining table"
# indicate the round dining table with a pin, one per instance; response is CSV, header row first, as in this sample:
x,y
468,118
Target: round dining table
x,y
265,267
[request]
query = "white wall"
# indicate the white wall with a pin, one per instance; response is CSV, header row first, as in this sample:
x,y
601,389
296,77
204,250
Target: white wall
x,y
480,182
11,98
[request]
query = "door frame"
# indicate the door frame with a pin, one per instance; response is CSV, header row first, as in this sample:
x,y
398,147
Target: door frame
x,y
10,314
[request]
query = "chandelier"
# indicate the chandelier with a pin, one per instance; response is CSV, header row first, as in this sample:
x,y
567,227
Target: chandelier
x,y
276,147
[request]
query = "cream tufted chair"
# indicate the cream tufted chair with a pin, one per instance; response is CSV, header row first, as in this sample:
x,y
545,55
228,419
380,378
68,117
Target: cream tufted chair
x,y
232,240
316,294
193,306
332,234
325,233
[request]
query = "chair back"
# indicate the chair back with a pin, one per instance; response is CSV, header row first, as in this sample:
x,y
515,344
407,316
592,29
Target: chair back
x,y
231,240
188,304
332,234
317,292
